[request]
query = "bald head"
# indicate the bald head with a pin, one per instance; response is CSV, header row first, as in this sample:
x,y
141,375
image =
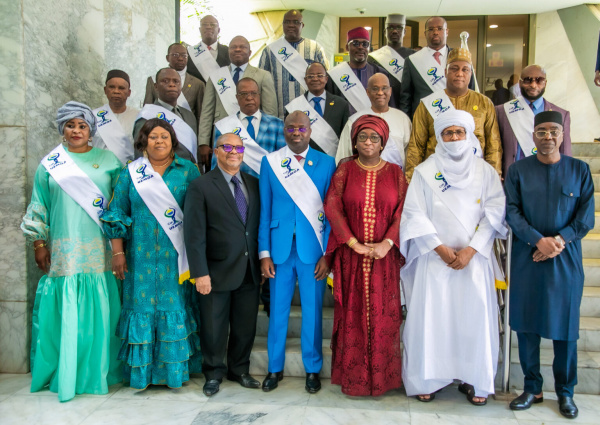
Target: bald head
x,y
533,68
533,82
209,29
292,26
239,50
297,131
379,92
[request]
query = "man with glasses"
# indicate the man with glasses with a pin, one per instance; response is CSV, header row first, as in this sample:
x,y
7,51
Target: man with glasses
x,y
222,210
192,89
328,113
423,72
550,208
261,133
287,58
209,54
515,118
349,79
292,238
391,56
220,100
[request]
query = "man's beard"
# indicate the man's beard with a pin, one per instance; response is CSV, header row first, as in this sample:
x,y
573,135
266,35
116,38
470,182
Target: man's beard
x,y
533,99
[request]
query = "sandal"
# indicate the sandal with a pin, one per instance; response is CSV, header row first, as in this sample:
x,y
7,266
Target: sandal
x,y
469,390
421,397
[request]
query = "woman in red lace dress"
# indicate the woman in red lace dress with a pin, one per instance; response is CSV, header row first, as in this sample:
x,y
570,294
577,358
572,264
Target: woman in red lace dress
x,y
363,206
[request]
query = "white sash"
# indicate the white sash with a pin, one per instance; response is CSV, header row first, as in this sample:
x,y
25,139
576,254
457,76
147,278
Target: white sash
x,y
111,131
185,133
301,189
437,103
203,59
322,133
391,60
465,204
350,86
254,153
431,71
181,100
163,206
225,87
290,59
521,119
75,182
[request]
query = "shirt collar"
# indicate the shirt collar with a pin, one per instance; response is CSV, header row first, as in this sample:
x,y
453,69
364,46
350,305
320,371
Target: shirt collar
x,y
214,46
309,96
289,152
443,51
242,67
229,176
166,105
537,104
257,115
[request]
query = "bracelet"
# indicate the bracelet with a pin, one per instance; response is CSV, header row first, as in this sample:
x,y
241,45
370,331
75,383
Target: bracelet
x,y
35,247
351,242
391,242
119,253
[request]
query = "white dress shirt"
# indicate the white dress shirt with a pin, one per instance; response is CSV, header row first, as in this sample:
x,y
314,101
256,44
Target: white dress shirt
x,y
257,116
310,97
443,54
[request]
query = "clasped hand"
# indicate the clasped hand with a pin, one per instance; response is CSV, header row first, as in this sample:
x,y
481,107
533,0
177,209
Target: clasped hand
x,y
547,247
455,260
374,250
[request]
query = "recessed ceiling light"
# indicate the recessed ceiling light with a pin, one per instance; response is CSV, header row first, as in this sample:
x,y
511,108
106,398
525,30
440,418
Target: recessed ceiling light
x,y
368,28
488,45
494,26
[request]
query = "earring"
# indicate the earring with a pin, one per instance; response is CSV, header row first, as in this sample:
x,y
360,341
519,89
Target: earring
x,y
64,140
172,154
355,147
381,148
145,153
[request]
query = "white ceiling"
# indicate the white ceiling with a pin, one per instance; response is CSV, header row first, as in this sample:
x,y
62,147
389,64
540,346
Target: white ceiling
x,y
349,8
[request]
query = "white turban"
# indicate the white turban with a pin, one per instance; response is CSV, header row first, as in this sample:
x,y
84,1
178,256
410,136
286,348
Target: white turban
x,y
456,160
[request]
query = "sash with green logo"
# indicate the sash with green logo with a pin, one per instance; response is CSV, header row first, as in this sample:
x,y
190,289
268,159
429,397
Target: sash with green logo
x,y
431,71
163,206
298,184
115,139
521,118
75,182
350,86
254,153
290,59
225,87
391,60
203,59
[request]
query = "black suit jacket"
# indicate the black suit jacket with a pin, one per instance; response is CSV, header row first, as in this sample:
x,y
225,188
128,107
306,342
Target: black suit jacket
x,y
217,241
394,83
222,60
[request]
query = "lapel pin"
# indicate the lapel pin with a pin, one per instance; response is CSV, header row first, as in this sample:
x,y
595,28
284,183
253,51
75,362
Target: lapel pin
x,y
309,163
331,104
189,85
95,166
475,108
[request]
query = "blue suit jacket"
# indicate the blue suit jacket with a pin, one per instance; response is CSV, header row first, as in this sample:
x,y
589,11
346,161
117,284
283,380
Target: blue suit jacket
x,y
269,137
279,215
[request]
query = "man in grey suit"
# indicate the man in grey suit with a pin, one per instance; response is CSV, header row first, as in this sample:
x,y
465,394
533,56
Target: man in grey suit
x,y
533,85
209,32
168,87
212,107
192,88
222,210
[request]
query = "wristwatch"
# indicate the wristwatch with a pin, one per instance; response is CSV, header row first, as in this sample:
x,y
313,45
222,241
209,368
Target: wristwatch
x,y
391,242
560,239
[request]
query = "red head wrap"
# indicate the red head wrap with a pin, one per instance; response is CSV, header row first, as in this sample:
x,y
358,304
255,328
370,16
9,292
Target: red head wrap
x,y
358,33
372,122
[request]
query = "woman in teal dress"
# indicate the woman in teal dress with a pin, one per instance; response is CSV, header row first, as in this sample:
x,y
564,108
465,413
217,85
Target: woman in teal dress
x,y
159,322
77,306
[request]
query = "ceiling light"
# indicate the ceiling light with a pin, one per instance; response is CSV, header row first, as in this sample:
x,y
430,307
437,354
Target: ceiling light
x,y
494,26
368,28
488,45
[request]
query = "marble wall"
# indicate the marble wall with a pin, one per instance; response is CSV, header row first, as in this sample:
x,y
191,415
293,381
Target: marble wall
x,y
49,54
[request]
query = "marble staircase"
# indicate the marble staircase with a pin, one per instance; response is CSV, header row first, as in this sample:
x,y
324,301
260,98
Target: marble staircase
x,y
588,344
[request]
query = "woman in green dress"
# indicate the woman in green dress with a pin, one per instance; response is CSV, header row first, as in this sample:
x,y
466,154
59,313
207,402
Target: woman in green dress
x,y
159,322
77,305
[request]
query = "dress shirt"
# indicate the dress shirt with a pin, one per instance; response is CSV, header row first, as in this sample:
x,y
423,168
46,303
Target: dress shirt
x,y
228,178
310,96
538,106
232,67
214,49
182,75
443,54
255,121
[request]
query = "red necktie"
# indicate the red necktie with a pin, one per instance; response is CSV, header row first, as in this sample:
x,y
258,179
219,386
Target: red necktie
x,y
436,56
299,157
209,48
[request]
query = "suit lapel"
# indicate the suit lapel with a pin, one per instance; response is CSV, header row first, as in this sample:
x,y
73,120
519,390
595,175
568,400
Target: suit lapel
x,y
328,108
186,85
248,72
310,162
223,187
252,196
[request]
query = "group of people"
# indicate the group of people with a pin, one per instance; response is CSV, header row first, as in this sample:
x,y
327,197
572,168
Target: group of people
x,y
160,230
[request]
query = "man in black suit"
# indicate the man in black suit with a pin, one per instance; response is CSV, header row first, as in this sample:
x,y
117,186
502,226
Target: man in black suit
x,y
221,239
209,31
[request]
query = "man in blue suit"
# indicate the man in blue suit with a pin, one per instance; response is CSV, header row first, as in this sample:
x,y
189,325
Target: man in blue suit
x,y
292,237
266,130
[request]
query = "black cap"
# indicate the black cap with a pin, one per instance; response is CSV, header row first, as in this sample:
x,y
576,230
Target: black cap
x,y
117,73
548,116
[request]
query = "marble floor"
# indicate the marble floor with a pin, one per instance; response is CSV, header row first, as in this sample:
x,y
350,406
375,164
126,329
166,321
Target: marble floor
x,y
288,404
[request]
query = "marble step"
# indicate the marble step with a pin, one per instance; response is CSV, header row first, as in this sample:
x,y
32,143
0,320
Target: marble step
x,y
593,162
295,322
591,268
596,200
589,336
590,303
588,371
591,245
596,228
585,149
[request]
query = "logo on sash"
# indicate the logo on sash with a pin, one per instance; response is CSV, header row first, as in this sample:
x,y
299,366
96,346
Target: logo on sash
x,y
199,50
437,103
287,163
54,157
534,151
170,213
237,131
142,170
99,203
221,83
397,68
162,116
347,84
321,218
312,120
432,72
444,186
515,107
284,53
102,115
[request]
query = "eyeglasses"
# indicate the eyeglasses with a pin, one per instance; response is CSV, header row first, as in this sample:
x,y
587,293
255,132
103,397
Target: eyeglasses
x,y
247,94
292,22
541,134
315,76
179,55
395,27
447,134
433,29
378,89
228,148
530,80
362,137
358,43
294,129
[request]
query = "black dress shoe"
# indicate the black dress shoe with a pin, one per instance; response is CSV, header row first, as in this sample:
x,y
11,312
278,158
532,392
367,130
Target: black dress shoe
x,y
211,387
272,381
313,383
524,401
567,407
245,380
